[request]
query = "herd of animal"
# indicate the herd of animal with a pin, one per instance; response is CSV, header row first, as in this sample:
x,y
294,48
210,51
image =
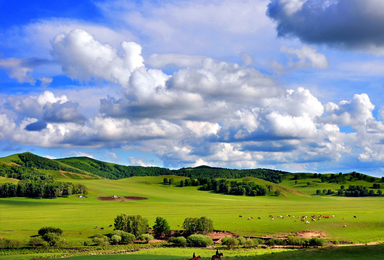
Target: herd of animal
x,y
302,218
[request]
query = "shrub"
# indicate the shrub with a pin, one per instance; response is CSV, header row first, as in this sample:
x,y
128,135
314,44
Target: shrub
x,y
51,238
146,237
241,240
230,242
53,230
315,241
335,242
250,243
277,193
199,241
115,239
274,241
127,237
87,242
178,241
36,241
161,227
203,224
100,240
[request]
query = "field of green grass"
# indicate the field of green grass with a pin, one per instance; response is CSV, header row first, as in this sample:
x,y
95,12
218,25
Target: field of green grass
x,y
22,217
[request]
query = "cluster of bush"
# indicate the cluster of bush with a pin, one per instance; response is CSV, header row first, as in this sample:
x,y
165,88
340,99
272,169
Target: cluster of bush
x,y
325,192
233,187
39,189
48,236
360,191
129,228
231,242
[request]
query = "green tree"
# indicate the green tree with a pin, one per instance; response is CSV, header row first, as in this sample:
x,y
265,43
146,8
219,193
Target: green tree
x,y
205,225
161,227
318,192
171,180
277,193
115,239
165,180
134,224
190,225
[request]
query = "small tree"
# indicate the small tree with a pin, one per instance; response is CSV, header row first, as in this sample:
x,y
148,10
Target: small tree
x,y
178,241
134,224
199,240
115,239
51,238
230,242
165,180
308,183
171,181
145,237
329,191
318,192
379,192
277,193
45,230
296,182
190,225
205,225
161,227
342,187
181,183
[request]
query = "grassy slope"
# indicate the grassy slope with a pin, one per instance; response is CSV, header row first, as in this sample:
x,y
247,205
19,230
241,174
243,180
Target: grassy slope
x,y
77,216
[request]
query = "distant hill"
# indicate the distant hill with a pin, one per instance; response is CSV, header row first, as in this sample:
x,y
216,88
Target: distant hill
x,y
91,167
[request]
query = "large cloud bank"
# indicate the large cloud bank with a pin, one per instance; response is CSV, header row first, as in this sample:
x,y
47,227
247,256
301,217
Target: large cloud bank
x,y
342,23
208,111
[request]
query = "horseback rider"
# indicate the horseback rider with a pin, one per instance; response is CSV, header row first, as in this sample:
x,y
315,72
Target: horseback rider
x,y
194,256
217,252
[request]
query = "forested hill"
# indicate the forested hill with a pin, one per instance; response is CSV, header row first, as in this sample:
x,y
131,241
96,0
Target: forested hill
x,y
89,166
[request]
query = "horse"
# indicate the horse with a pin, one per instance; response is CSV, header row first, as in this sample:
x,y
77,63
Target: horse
x,y
217,256
195,258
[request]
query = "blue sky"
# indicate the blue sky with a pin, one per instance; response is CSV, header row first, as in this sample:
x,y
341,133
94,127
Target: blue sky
x,y
287,84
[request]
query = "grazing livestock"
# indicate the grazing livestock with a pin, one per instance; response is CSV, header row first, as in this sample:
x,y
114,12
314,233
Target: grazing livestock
x,y
345,226
295,220
303,219
318,218
343,218
259,218
240,216
270,216
110,225
313,219
273,218
101,228
249,218
96,227
307,222
326,216
354,216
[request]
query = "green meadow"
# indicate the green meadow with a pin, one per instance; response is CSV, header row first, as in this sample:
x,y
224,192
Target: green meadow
x,y
22,217
356,219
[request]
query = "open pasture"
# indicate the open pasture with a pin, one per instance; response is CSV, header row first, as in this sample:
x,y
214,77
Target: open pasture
x,y
22,217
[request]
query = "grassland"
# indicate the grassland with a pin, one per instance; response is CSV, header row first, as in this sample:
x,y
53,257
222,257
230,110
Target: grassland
x,y
22,217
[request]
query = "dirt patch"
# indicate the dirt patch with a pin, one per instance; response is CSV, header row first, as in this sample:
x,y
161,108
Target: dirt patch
x,y
310,234
135,198
111,198
72,173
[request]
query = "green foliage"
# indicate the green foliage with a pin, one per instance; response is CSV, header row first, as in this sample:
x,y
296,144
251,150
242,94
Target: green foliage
x,y
193,225
249,243
241,240
36,241
161,227
199,241
230,242
233,187
315,241
146,237
51,238
115,239
178,241
274,241
36,189
100,240
277,193
134,224
45,230
10,244
165,180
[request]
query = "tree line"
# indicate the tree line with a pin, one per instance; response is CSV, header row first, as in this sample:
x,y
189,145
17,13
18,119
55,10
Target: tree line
x,y
40,189
233,187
